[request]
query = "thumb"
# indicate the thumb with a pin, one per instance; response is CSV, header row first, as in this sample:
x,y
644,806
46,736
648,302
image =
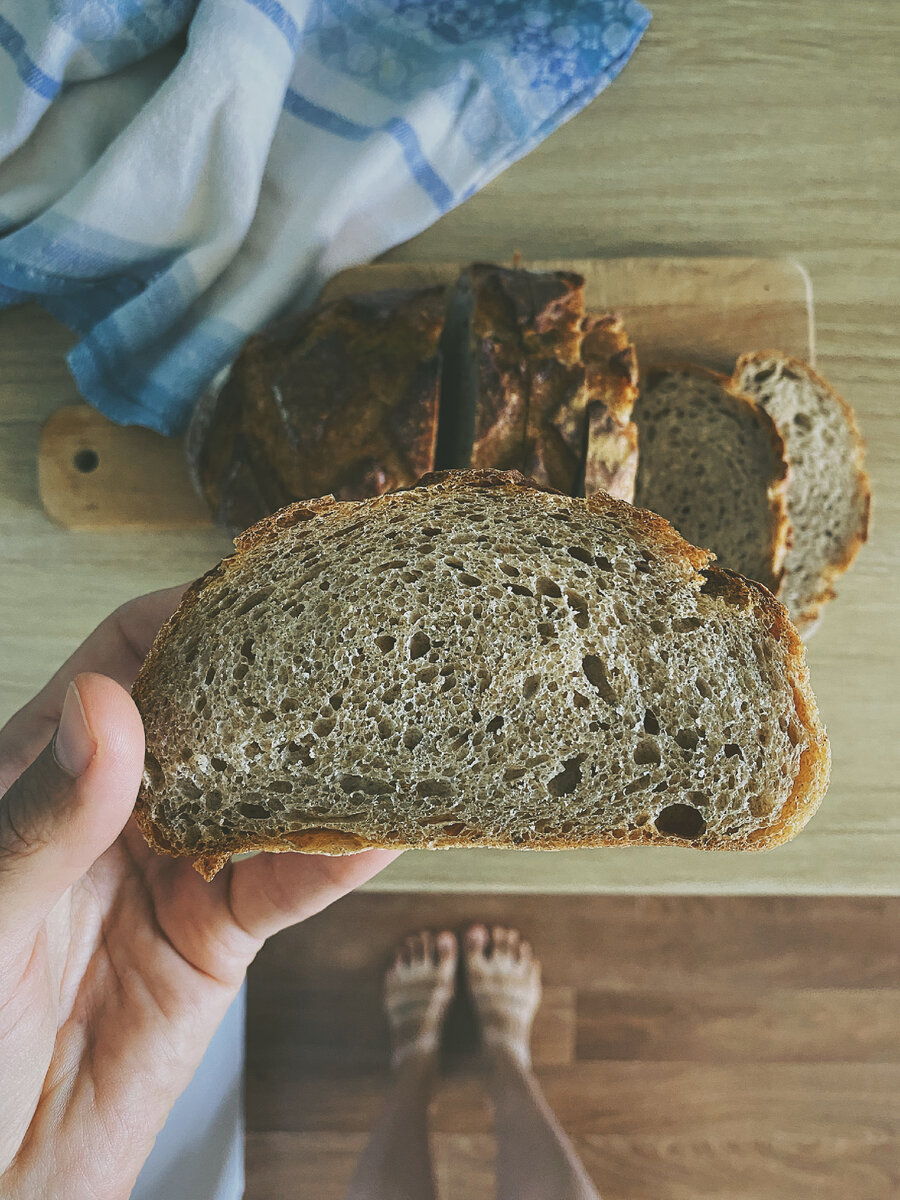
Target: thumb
x,y
71,803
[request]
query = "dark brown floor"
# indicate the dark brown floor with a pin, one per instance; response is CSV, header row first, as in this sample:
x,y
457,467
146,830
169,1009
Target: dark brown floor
x,y
694,1049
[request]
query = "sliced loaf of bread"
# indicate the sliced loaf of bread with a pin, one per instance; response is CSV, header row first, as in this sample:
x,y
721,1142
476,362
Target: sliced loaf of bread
x,y
713,463
829,495
474,662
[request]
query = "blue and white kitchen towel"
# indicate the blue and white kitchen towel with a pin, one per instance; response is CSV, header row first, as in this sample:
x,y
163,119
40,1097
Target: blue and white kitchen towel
x,y
173,173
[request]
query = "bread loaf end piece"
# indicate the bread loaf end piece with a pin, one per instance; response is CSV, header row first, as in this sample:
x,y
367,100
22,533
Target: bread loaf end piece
x,y
829,496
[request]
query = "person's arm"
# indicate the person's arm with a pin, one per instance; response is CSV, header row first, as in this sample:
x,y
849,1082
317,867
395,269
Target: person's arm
x,y
116,964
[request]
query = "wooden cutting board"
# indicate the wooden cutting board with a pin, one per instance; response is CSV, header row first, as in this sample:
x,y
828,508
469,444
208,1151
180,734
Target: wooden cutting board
x,y
96,475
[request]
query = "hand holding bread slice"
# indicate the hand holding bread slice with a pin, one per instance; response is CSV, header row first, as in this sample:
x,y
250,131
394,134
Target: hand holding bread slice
x,y
474,661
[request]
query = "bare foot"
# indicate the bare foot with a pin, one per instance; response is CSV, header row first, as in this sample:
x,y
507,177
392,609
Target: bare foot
x,y
417,990
505,984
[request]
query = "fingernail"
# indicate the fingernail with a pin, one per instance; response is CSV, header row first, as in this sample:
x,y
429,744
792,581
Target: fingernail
x,y
73,746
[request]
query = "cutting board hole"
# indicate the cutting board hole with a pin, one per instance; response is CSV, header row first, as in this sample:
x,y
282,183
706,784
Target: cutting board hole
x,y
86,461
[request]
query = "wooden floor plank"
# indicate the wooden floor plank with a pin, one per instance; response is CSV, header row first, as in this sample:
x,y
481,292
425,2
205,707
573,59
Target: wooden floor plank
x,y
619,942
639,1098
781,1025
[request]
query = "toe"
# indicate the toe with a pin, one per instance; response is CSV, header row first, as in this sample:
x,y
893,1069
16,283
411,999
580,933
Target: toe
x,y
476,944
447,952
426,947
412,949
500,941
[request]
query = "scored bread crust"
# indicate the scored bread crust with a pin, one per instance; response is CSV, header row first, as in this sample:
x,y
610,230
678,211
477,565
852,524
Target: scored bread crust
x,y
742,594
779,537
846,550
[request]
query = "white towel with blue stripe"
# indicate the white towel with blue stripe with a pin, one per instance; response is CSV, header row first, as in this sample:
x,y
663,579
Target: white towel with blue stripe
x,y
173,173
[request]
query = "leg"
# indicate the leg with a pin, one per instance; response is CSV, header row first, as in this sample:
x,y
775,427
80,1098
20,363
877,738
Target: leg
x,y
396,1164
535,1159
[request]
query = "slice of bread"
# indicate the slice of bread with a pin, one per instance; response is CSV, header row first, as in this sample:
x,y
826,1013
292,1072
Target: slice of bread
x,y
713,463
532,383
612,378
474,662
829,495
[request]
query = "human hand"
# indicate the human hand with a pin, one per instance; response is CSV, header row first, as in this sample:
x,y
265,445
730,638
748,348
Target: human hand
x,y
116,964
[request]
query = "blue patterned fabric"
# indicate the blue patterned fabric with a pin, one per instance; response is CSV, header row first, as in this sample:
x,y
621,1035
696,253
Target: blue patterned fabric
x,y
175,173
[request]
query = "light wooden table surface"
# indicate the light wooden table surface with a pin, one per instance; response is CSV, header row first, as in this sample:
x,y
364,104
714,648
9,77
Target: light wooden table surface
x,y
741,127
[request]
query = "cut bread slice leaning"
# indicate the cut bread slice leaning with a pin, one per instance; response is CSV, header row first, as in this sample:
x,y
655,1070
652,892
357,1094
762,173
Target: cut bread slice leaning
x,y
474,662
829,495
533,383
714,464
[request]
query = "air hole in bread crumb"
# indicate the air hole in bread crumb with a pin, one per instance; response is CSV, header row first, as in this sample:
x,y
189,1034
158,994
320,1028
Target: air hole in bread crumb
x,y
419,644
595,671
494,725
761,806
579,607
603,562
646,752
651,725
511,774
680,820
568,779
704,689
547,587
411,738
218,764
154,771
580,701
687,739
254,599
509,569
385,642
530,686
267,716
518,589
470,581
686,624
731,749
546,542
638,785
323,726
581,554
434,787
254,811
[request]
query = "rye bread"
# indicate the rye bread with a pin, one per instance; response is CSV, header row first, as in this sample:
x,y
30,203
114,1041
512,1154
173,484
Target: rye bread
x,y
342,400
474,662
713,463
829,495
